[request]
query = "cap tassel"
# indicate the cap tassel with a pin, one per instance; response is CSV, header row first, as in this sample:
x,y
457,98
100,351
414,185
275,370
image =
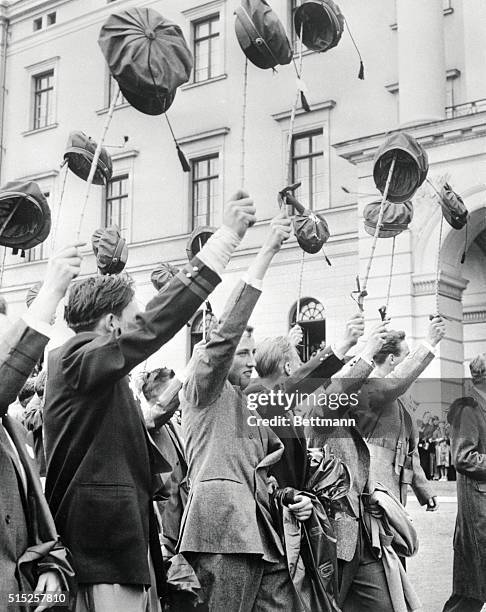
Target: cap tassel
x,y
361,73
183,159
328,261
463,258
305,104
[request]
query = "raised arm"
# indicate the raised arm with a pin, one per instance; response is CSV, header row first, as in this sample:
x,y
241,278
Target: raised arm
x,y
210,364
110,357
351,377
395,384
22,345
325,364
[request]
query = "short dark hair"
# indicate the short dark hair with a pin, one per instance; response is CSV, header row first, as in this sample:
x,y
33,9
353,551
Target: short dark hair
x,y
3,305
96,296
154,381
392,346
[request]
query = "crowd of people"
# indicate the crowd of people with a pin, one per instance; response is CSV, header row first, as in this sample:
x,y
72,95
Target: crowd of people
x,y
250,481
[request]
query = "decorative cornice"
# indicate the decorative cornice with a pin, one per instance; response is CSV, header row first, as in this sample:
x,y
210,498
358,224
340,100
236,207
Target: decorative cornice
x,y
449,286
474,315
127,153
218,132
432,134
39,176
320,106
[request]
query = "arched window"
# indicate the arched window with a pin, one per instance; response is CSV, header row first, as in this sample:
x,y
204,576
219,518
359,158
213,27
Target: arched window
x,y
311,317
197,327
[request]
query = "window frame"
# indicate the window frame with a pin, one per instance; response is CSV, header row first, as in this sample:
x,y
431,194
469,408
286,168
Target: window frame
x,y
124,201
308,134
209,178
37,94
211,18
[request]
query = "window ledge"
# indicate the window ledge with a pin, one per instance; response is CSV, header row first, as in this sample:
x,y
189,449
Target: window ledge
x,y
53,126
220,77
103,111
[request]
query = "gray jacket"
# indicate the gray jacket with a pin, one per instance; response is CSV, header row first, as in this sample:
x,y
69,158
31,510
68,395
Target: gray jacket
x,y
228,459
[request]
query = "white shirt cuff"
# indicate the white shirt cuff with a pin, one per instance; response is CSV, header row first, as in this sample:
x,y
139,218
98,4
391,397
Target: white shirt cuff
x,y
256,283
428,346
39,326
217,251
338,354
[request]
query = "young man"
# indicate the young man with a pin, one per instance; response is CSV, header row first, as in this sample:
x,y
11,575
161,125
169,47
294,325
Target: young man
x,y
467,417
100,459
227,532
385,422
363,585
278,365
31,555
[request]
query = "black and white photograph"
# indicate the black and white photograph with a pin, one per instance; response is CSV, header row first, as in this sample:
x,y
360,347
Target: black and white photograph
x,y
243,305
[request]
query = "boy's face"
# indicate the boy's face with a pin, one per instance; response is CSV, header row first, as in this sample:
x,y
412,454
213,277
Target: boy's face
x,y
243,362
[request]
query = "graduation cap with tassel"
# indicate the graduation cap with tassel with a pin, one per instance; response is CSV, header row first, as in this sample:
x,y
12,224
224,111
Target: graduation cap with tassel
x,y
320,25
149,58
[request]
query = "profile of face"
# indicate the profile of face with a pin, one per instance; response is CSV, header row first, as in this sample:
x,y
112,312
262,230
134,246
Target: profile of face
x,y
292,362
394,360
243,362
126,321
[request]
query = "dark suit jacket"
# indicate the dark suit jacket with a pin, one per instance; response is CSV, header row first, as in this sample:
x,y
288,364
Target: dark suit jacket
x,y
29,541
467,417
228,509
291,469
100,459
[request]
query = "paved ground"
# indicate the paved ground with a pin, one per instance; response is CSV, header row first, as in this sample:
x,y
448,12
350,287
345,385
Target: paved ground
x,y
431,570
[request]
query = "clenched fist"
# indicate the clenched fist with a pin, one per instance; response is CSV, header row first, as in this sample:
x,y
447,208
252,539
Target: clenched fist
x,y
239,213
280,230
437,330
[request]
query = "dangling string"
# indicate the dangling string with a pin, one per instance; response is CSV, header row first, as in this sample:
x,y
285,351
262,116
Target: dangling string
x,y
3,265
243,124
361,73
298,70
463,257
59,206
180,153
437,270
362,291
301,280
94,163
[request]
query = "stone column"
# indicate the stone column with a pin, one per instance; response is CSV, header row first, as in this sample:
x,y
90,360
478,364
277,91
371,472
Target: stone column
x,y
421,61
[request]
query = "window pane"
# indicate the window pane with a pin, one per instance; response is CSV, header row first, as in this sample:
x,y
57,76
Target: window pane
x,y
116,209
207,51
202,29
308,168
205,190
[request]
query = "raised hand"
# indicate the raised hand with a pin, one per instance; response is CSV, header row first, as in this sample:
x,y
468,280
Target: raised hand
x,y
280,230
437,330
240,213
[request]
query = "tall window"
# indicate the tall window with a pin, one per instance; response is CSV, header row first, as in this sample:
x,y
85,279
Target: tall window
x,y
205,189
43,99
310,315
116,203
207,52
308,168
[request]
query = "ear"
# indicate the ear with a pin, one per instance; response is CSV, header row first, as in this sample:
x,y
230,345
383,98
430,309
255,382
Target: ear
x,y
111,322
